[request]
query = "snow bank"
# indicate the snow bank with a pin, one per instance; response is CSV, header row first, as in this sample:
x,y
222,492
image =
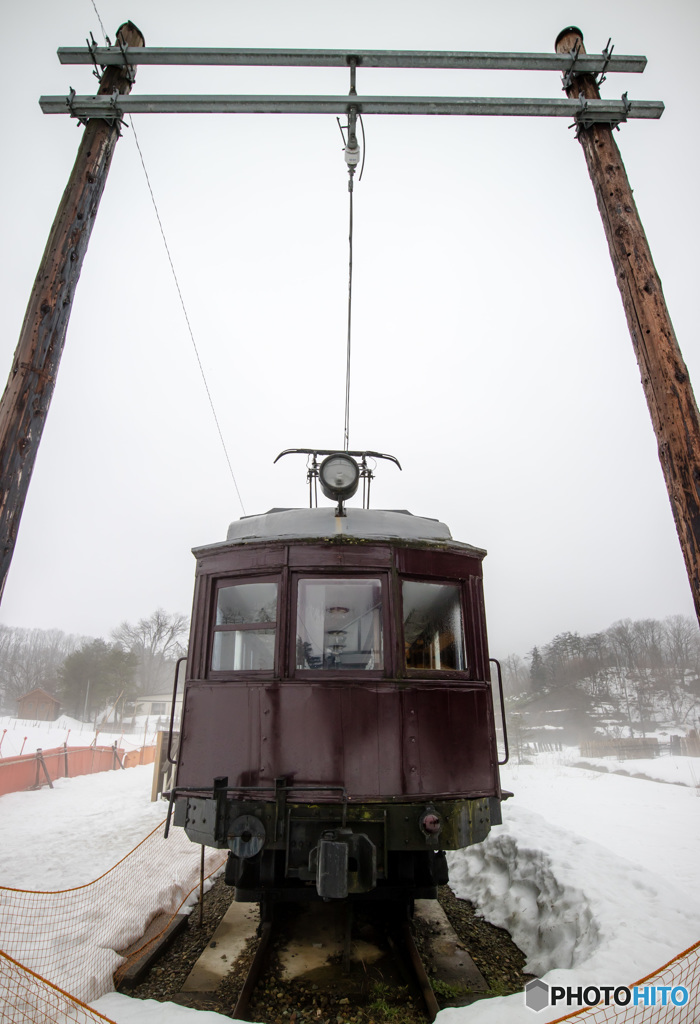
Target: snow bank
x,y
124,1010
517,886
603,897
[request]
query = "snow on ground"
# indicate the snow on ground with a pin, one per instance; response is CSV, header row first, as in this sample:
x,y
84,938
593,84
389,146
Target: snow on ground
x,y
26,735
594,874
124,1010
683,771
63,837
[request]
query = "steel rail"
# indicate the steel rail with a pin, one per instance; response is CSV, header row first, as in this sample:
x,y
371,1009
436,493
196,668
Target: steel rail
x,y
255,970
586,63
431,1003
603,110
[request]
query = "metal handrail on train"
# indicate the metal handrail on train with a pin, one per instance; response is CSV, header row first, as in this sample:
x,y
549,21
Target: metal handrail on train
x,y
172,709
497,663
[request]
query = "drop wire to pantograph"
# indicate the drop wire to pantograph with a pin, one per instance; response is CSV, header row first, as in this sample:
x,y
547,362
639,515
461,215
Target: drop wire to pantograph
x,y
346,431
352,158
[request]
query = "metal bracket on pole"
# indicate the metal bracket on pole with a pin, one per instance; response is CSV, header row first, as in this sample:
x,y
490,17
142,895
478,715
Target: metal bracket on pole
x,y
586,118
114,115
129,69
98,69
118,119
69,103
570,73
607,53
573,71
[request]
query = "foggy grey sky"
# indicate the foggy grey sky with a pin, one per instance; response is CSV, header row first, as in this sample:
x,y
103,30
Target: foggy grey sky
x,y
490,350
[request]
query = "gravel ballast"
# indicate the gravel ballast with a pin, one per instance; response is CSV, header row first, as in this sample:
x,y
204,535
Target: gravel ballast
x,y
277,1001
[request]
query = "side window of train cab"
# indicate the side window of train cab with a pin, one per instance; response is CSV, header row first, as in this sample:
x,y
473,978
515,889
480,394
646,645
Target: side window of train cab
x,y
339,624
245,626
433,626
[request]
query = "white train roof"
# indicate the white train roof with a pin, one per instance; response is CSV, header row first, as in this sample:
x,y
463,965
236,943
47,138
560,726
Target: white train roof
x,y
322,523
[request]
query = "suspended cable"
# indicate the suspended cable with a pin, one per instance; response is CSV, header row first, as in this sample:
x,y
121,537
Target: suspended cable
x,y
346,431
187,319
104,34
352,159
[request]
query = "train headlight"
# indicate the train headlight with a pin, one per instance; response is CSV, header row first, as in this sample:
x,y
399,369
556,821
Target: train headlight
x,y
339,476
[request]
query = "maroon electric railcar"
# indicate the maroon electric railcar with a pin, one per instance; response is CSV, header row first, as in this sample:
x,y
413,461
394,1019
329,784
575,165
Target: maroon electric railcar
x,y
338,726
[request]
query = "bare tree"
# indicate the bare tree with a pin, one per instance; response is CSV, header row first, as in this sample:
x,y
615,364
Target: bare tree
x,y
31,658
157,642
516,675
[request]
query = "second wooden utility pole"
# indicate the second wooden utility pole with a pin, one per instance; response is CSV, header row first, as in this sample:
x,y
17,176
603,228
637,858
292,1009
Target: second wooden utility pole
x,y
669,394
29,389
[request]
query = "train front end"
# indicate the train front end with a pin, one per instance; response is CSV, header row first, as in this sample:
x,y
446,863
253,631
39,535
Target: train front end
x,y
338,729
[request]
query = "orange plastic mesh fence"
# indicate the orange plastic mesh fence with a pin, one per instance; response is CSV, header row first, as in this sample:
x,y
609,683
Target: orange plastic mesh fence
x,y
26,998
71,937
32,771
683,970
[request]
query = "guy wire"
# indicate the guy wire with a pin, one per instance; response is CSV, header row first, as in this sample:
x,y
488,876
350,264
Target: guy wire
x,y
104,34
177,285
187,319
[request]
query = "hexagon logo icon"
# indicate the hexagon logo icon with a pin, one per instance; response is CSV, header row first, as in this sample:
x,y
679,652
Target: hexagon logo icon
x,y
537,995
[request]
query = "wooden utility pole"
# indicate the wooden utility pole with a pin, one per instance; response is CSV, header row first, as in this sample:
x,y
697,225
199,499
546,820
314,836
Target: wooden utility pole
x,y
25,403
669,394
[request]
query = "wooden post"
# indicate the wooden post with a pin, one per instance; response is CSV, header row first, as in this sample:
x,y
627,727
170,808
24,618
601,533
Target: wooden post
x,y
25,403
669,394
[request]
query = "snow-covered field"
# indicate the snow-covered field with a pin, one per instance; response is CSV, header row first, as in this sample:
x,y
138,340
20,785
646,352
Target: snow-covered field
x,y
594,874
19,736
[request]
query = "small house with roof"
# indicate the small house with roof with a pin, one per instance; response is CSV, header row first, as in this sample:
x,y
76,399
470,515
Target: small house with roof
x,y
39,705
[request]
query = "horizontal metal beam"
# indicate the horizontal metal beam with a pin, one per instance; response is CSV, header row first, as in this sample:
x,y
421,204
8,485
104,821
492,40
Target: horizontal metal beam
x,y
591,63
105,106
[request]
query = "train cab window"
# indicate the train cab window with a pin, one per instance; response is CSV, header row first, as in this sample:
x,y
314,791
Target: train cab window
x,y
244,632
339,624
432,626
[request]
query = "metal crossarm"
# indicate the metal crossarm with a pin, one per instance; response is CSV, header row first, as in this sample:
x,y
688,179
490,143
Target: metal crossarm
x,y
598,111
587,63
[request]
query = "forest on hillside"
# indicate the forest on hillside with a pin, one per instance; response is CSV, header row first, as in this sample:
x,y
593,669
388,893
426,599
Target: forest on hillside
x,y
629,679
88,674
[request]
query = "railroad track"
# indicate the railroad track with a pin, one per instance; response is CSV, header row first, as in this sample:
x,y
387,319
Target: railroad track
x,y
301,975
333,961
363,949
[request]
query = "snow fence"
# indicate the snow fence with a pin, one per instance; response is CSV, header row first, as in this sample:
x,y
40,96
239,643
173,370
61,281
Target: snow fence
x,y
26,998
683,970
69,940
31,771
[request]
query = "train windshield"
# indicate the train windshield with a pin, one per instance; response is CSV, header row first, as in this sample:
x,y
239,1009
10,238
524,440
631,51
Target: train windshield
x,y
339,624
432,626
244,634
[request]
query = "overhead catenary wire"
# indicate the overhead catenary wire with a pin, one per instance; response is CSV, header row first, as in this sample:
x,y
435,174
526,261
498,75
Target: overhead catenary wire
x,y
346,429
352,159
187,319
